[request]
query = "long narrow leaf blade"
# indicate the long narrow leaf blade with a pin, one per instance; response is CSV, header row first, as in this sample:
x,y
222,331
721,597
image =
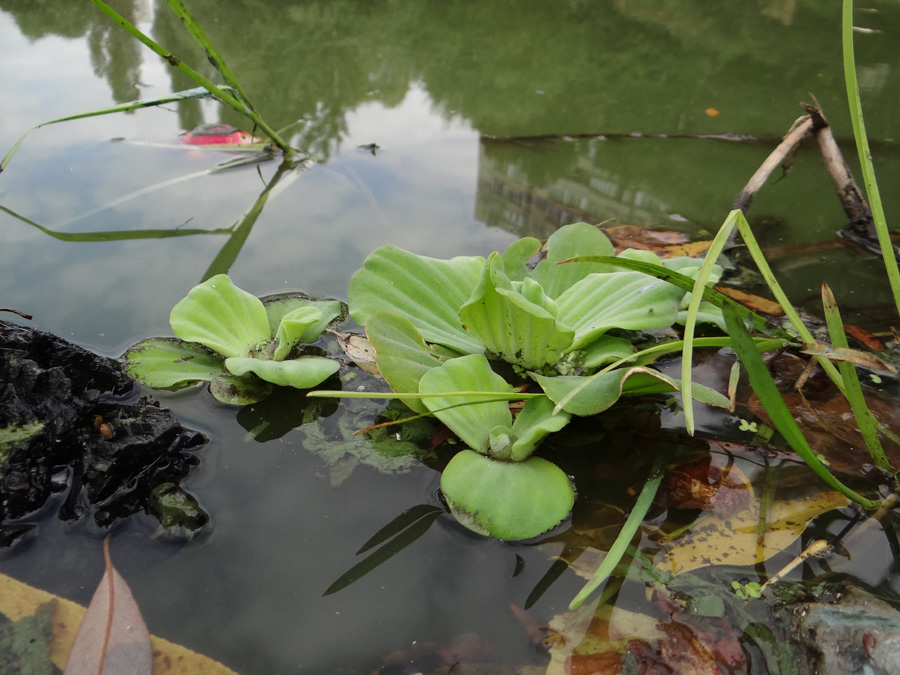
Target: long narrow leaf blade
x,y
768,394
622,542
215,58
865,154
853,389
385,553
690,324
197,92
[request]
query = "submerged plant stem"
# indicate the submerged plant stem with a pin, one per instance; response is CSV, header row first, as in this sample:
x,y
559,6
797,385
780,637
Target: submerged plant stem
x,y
623,541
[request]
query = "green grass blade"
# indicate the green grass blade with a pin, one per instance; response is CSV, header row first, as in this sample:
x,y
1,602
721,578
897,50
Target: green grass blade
x,y
197,92
202,39
223,94
865,154
760,259
768,394
629,529
687,354
113,235
853,389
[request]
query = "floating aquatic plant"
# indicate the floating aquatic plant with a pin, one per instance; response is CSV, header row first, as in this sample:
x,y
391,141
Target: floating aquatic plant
x,y
440,327
236,342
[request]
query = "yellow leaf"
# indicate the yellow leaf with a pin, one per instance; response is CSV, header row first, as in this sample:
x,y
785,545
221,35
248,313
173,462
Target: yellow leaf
x,y
18,600
734,539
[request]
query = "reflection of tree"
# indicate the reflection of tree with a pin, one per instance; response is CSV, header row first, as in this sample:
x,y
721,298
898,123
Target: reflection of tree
x,y
306,62
605,66
115,55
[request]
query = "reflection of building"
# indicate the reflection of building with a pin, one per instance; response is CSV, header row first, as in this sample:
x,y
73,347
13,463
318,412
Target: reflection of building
x,y
535,189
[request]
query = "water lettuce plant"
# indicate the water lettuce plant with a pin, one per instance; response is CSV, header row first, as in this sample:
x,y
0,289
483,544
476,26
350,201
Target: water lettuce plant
x,y
238,343
461,338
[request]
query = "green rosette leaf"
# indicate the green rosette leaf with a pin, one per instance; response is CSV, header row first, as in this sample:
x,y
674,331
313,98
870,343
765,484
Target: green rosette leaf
x,y
533,423
517,329
506,500
427,291
569,241
303,373
221,316
278,307
624,300
292,328
401,354
167,362
470,417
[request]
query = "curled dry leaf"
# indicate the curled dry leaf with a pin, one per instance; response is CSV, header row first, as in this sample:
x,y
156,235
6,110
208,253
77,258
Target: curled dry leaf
x,y
360,350
113,638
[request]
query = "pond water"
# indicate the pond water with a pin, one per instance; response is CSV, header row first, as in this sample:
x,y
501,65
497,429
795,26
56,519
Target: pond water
x,y
493,121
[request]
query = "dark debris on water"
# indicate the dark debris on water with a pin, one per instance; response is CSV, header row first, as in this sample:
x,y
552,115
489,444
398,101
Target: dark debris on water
x,y
73,420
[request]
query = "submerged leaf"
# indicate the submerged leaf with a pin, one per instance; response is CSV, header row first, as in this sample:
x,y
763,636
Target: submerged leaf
x,y
725,538
166,362
235,390
113,638
221,316
18,600
506,500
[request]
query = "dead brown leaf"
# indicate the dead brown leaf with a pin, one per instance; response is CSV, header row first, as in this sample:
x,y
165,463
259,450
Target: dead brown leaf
x,y
113,638
750,301
665,244
18,600
733,540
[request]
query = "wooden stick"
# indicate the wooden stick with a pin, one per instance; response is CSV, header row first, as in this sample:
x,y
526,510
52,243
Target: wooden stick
x,y
779,155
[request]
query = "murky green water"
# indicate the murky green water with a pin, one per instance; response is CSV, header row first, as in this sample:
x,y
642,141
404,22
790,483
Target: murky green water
x,y
441,87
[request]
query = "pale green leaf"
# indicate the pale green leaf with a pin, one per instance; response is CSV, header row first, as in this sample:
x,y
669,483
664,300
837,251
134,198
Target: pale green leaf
x,y
578,239
517,255
506,500
471,417
277,307
605,349
427,291
401,354
582,395
625,300
511,326
293,326
221,316
166,362
533,423
302,373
